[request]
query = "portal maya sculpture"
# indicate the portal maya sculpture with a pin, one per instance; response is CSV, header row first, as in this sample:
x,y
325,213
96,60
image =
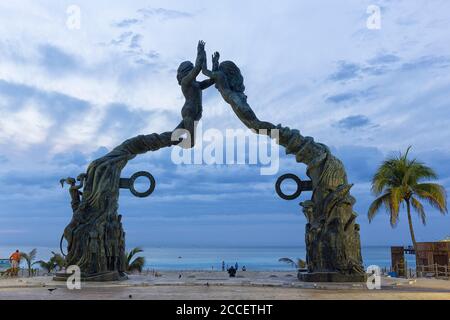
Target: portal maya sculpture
x,y
95,236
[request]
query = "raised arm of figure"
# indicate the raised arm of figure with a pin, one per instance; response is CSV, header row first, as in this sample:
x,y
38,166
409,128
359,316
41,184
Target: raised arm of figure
x,y
209,82
205,70
205,84
215,61
201,57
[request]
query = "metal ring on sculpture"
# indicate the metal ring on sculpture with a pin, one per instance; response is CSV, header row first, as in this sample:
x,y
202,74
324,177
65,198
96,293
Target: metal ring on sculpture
x,y
150,189
61,247
280,180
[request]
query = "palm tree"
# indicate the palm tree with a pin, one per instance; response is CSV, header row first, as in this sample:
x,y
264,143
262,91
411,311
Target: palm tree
x,y
299,264
56,261
49,265
138,263
399,180
29,258
59,260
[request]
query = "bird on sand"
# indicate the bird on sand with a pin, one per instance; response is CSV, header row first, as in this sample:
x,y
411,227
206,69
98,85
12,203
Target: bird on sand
x,y
51,290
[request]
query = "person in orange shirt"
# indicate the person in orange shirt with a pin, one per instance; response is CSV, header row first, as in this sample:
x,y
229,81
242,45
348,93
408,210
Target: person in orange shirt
x,y
15,260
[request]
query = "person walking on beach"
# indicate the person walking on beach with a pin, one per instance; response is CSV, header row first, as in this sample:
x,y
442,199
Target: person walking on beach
x,y
15,260
223,265
236,266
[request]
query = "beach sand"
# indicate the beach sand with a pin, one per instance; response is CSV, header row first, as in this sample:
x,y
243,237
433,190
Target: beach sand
x,y
217,285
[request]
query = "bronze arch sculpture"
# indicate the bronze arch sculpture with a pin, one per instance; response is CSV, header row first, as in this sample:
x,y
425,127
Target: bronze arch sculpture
x,y
95,236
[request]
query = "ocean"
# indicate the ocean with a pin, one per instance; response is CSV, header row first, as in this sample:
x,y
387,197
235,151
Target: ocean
x,y
253,258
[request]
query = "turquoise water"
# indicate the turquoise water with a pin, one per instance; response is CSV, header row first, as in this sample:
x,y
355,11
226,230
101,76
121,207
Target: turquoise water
x,y
254,258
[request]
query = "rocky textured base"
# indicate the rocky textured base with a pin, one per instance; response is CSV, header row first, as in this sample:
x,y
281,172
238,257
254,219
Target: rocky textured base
x,y
96,277
330,277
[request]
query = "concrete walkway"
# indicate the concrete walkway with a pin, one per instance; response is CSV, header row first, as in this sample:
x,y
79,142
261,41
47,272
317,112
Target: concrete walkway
x,y
217,285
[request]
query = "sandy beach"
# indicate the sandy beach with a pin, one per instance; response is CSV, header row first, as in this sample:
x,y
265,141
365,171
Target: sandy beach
x,y
217,285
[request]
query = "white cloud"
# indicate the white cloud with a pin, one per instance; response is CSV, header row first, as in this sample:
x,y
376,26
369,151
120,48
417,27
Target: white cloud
x,y
25,127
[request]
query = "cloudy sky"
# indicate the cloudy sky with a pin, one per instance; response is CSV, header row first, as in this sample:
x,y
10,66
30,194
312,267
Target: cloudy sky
x,y
68,95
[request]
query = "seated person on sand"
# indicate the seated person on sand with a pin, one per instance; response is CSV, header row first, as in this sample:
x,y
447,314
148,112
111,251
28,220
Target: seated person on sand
x,y
192,92
230,83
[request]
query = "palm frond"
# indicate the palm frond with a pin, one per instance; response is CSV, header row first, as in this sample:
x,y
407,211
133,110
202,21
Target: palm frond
x,y
405,155
395,199
132,253
137,264
58,260
47,265
301,263
25,256
433,193
418,171
32,254
383,177
420,210
288,261
376,205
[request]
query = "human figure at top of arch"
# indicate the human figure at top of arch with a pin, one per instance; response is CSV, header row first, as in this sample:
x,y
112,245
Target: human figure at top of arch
x,y
230,83
192,91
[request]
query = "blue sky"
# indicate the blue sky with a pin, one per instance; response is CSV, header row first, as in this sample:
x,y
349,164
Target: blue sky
x,y
67,96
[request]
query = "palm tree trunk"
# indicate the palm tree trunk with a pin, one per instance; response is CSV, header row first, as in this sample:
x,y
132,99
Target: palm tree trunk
x,y
411,230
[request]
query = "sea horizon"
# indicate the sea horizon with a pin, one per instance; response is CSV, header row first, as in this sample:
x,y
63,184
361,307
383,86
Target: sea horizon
x,y
197,257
